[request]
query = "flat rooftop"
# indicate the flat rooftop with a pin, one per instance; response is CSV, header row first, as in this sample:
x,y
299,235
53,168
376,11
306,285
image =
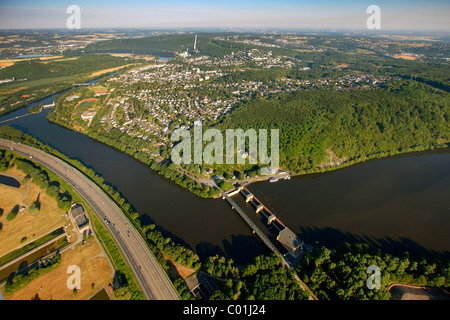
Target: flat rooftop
x,y
289,239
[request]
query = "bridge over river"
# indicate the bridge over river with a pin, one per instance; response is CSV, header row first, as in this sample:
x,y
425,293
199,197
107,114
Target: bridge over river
x,y
252,225
286,237
292,244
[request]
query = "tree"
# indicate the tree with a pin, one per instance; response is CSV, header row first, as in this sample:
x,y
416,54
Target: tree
x,y
225,185
34,208
13,213
64,200
53,189
35,109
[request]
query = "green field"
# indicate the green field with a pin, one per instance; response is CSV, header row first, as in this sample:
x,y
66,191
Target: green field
x,y
36,69
85,105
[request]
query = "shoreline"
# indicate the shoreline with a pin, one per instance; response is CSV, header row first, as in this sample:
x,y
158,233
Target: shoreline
x,y
377,157
351,162
205,182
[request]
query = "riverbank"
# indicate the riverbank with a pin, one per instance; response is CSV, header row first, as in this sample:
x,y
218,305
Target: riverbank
x,y
202,189
177,211
310,231
286,175
78,195
208,185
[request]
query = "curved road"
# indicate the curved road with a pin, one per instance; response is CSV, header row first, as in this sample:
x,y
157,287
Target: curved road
x,y
152,279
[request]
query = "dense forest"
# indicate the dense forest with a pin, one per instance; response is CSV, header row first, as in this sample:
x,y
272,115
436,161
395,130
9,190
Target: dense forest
x,y
167,45
355,125
36,69
263,279
342,274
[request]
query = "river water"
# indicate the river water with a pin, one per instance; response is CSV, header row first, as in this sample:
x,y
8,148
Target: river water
x,y
397,203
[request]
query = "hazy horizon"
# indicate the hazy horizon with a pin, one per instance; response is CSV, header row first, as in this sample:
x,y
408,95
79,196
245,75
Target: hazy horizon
x,y
427,16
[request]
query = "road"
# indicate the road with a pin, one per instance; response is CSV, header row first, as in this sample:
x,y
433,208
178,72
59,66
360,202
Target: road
x,y
152,279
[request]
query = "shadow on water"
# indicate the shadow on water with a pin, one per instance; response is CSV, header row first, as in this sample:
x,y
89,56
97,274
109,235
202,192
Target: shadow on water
x,y
331,238
205,249
243,249
147,220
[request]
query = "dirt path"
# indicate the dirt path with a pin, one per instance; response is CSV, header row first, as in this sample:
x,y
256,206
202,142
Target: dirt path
x,y
179,270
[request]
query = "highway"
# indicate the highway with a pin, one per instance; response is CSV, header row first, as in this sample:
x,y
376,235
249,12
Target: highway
x,y
152,279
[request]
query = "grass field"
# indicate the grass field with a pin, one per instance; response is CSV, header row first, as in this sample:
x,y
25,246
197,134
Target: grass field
x,y
16,87
24,224
406,57
359,50
85,104
60,58
10,90
10,62
95,273
96,270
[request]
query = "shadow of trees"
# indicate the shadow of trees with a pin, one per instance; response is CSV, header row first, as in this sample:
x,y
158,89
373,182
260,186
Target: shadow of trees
x,y
146,220
331,237
242,249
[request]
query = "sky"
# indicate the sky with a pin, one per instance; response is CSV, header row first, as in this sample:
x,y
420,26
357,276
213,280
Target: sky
x,y
396,15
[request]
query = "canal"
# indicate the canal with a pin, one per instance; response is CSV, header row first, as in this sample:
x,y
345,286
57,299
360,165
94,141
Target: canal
x,y
397,203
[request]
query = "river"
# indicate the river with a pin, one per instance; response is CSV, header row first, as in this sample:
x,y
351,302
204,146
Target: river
x,y
398,203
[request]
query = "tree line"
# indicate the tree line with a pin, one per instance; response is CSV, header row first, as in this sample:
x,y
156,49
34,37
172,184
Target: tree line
x,y
402,116
41,179
127,288
342,274
265,278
